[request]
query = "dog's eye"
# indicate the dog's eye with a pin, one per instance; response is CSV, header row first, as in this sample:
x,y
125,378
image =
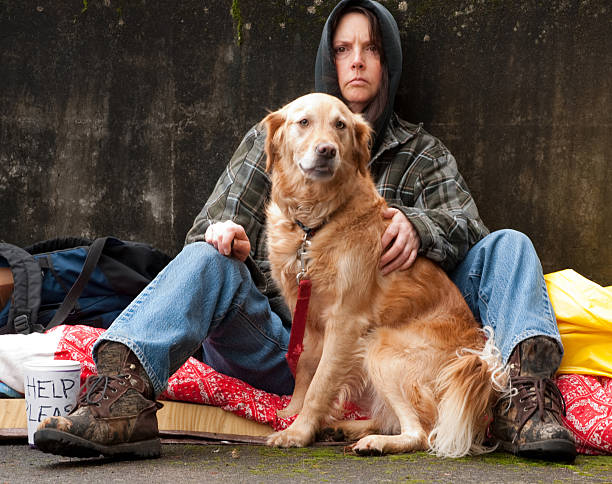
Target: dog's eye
x,y
304,122
340,124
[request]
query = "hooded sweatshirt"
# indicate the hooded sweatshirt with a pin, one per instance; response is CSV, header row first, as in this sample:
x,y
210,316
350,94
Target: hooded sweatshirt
x,y
326,77
412,170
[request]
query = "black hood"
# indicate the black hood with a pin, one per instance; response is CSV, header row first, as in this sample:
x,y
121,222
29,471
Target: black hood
x,y
326,78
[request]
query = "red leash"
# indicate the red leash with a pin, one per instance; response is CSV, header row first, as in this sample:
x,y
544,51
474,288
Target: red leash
x,y
298,326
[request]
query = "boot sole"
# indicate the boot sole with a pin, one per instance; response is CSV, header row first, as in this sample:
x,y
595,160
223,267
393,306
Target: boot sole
x,y
52,441
557,450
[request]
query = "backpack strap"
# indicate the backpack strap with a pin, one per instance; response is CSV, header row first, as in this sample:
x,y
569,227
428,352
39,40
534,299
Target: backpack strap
x,y
59,243
23,313
91,261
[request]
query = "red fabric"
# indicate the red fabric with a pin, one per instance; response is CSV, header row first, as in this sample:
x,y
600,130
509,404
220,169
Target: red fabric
x,y
298,326
194,382
589,411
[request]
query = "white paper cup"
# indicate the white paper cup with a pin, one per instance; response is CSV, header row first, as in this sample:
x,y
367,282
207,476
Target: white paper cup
x,y
51,389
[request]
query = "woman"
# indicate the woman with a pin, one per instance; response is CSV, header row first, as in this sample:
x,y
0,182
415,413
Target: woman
x,y
217,293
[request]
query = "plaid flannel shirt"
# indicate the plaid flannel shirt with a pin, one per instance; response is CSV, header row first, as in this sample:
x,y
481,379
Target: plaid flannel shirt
x,y
412,170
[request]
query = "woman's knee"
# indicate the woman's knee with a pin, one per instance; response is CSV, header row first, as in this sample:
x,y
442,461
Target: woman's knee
x,y
512,245
200,261
505,239
197,249
200,255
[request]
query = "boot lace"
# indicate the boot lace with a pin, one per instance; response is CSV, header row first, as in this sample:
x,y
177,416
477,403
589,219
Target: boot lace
x,y
96,386
539,395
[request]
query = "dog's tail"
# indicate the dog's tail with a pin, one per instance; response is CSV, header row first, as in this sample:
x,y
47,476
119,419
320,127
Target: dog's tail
x,y
468,387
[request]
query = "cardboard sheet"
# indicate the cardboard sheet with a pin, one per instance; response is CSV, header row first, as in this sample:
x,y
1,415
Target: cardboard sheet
x,y
175,417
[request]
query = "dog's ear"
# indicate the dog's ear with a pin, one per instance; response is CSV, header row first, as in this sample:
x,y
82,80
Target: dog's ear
x,y
363,141
272,122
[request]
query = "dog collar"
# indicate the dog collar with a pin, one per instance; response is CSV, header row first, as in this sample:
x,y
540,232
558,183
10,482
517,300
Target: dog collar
x,y
309,231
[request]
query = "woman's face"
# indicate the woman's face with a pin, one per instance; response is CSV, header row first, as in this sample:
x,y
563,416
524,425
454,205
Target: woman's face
x,y
357,61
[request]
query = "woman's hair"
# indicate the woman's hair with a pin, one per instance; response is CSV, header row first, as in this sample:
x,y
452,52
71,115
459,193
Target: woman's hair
x,y
377,106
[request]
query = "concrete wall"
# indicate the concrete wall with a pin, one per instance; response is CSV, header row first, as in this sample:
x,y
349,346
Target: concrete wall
x,y
116,117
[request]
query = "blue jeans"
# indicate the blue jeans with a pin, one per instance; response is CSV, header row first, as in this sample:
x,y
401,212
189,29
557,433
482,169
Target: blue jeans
x,y
204,298
501,280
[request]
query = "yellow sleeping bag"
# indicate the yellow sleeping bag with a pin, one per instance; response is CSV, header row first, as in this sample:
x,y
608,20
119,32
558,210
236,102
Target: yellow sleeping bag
x,y
584,315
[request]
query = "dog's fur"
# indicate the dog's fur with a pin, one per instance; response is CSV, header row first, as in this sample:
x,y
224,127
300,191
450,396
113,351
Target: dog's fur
x,y
405,345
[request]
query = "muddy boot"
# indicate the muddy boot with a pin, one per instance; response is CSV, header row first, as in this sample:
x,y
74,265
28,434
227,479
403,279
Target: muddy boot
x,y
115,413
528,424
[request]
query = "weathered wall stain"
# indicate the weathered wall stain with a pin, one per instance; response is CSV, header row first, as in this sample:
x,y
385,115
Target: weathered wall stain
x,y
117,117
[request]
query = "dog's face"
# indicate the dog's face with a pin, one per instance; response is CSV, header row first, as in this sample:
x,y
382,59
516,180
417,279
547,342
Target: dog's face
x,y
318,135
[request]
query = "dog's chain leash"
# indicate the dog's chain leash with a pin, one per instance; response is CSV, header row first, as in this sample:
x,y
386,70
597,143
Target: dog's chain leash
x,y
302,252
302,255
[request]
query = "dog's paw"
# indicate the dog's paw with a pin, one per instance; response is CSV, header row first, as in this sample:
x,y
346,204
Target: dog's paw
x,y
291,437
369,445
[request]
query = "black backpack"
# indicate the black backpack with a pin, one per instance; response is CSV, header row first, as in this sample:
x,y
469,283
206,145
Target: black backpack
x,y
75,281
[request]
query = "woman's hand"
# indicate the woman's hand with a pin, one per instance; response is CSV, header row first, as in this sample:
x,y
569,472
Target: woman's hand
x,y
400,242
229,238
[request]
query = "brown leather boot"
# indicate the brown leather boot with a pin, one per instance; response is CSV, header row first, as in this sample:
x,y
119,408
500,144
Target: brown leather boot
x,y
528,424
115,413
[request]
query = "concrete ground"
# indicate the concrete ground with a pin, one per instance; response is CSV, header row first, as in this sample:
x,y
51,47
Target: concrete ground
x,y
236,463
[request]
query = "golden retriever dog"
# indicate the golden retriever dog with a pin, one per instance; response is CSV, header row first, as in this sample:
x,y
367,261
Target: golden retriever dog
x,y
404,346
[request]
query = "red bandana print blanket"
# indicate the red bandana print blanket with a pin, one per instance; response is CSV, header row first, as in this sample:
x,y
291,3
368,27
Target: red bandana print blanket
x,y
588,398
589,411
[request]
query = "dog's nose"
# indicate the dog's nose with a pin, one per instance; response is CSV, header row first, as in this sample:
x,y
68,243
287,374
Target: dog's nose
x,y
326,149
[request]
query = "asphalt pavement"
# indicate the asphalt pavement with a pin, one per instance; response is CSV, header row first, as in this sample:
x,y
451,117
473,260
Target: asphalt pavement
x,y
235,463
